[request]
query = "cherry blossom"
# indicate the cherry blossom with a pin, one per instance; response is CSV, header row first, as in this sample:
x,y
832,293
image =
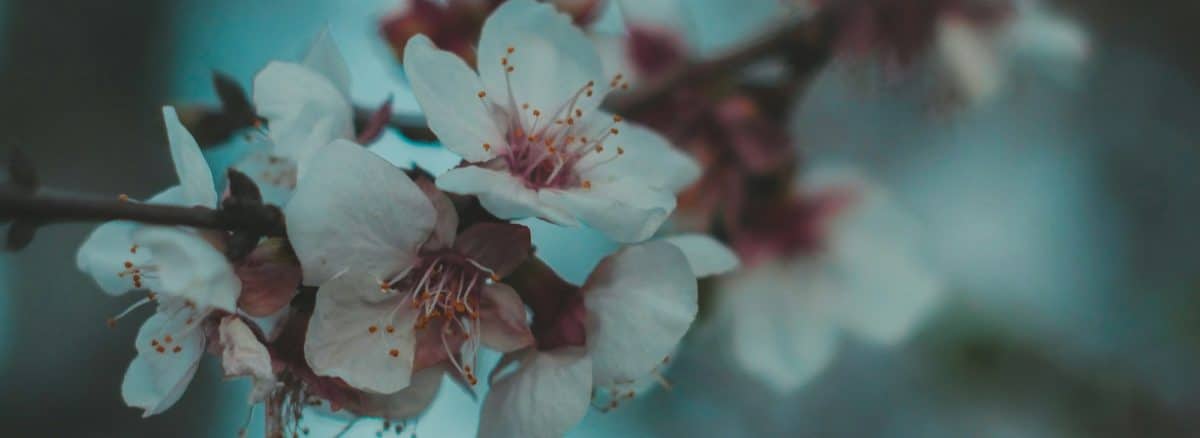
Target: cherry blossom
x,y
529,126
400,288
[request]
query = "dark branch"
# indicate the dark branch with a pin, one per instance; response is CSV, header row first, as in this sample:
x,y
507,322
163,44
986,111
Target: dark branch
x,y
43,209
412,126
804,44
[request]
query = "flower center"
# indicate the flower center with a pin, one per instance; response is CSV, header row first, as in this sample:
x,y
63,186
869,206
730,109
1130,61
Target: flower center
x,y
553,149
444,289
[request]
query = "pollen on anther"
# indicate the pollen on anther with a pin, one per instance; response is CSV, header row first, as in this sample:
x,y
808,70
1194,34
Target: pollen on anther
x,y
372,329
525,106
128,264
537,113
587,184
617,118
511,49
391,329
177,349
123,197
133,249
614,131
394,352
487,147
168,339
481,94
578,112
620,150
154,342
599,148
509,69
160,349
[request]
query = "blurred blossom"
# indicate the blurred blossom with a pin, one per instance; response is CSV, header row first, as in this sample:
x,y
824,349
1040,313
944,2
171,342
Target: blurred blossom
x,y
857,266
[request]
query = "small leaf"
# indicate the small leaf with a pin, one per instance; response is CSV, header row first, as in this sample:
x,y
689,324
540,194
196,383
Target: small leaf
x,y
374,126
242,188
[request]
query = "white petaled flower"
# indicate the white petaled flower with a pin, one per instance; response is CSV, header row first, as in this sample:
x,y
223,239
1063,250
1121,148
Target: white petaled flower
x,y
244,355
633,310
400,289
306,106
185,270
529,126
783,317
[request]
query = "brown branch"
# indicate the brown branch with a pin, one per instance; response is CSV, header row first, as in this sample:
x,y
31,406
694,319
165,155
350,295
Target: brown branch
x,y
804,44
412,126
40,208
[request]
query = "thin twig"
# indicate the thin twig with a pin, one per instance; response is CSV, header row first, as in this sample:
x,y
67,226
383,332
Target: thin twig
x,y
43,209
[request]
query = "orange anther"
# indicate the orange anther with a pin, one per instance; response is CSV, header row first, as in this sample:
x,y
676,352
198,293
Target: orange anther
x,y
614,131
510,49
617,118
160,349
112,322
481,94
587,184
487,147
394,352
372,329
167,339
620,150
177,349
128,264
123,197
509,69
391,329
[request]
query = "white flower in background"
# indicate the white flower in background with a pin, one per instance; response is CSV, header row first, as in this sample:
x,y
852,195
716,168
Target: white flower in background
x,y
611,334
529,126
979,60
783,317
244,355
307,106
185,269
400,289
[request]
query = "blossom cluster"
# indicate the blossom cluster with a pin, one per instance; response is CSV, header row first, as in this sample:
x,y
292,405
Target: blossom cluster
x,y
390,281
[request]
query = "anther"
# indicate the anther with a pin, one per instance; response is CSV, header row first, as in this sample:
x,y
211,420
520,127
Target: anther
x,y
123,197
160,349
617,118
620,150
177,349
599,148
111,322
391,329
487,147
168,339
587,184
510,50
614,131
481,94
537,113
372,329
394,352
578,112
509,69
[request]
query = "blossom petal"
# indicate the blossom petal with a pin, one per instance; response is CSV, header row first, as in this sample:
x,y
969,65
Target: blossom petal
x,y
500,247
103,253
502,319
640,302
552,59
243,355
545,397
779,321
623,209
446,228
304,110
647,156
501,194
887,288
354,210
194,174
189,267
324,58
448,90
340,341
705,255
156,379
408,402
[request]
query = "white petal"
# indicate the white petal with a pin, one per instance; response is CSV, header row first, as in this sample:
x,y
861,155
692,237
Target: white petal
x,y
544,398
501,194
194,174
341,344
552,59
705,255
447,90
104,253
971,60
243,355
409,402
356,211
189,267
886,286
502,324
304,110
446,228
780,325
325,58
624,209
647,156
154,380
640,302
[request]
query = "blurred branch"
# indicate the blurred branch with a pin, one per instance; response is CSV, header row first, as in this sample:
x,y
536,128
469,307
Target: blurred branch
x,y
412,126
803,43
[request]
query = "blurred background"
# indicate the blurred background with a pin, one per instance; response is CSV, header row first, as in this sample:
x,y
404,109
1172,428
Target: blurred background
x,y
1061,216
